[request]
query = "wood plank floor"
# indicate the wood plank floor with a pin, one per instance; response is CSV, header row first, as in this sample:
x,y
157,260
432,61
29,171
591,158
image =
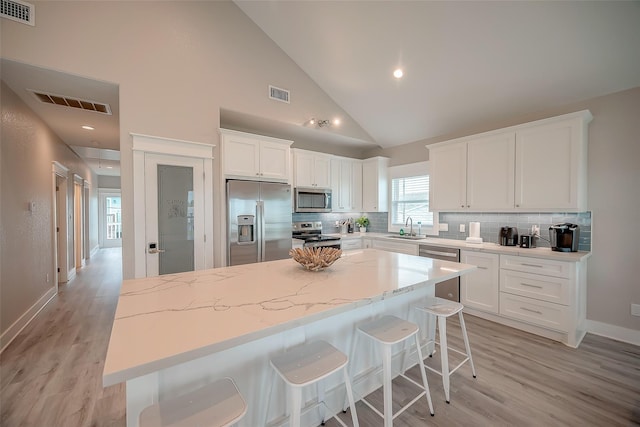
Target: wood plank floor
x,y
51,375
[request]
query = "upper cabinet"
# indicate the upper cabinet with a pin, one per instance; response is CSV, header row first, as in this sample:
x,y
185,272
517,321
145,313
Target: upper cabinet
x,y
346,184
535,167
375,184
255,157
311,169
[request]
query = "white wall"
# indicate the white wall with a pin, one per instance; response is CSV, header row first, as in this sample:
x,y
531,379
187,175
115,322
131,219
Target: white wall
x,y
26,243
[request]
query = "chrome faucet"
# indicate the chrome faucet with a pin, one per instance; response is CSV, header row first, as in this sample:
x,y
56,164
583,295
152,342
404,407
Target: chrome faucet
x,y
411,229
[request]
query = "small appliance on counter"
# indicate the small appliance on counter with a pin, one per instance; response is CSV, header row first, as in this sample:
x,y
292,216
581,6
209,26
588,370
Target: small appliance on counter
x,y
564,237
508,236
528,241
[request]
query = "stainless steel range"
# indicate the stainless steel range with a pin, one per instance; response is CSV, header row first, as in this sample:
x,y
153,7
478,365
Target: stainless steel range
x,y
311,233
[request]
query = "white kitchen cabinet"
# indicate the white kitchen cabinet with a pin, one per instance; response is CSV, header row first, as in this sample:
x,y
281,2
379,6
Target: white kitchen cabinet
x,y
480,289
551,166
535,167
539,292
400,247
474,175
346,184
350,244
255,157
375,184
311,169
367,243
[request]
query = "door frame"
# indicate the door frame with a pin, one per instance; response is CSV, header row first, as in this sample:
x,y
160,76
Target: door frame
x,y
59,206
145,144
78,221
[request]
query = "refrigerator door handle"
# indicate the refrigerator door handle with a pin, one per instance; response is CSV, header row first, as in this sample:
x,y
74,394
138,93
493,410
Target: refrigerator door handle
x,y
261,234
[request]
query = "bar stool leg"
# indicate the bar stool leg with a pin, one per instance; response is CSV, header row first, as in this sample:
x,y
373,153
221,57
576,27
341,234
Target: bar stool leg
x,y
466,343
386,388
442,329
425,383
296,406
350,368
323,409
352,404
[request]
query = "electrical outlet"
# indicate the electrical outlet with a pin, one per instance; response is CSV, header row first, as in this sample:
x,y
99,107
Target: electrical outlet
x,y
463,228
47,277
443,226
635,309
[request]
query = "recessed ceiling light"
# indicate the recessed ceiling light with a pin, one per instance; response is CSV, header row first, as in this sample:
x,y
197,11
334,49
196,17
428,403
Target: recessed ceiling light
x,y
336,122
398,73
109,167
87,127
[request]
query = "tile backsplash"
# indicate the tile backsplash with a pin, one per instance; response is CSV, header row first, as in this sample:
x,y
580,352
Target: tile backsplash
x,y
490,223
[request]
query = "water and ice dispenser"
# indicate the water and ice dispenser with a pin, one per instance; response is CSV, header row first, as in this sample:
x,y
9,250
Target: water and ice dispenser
x,y
246,229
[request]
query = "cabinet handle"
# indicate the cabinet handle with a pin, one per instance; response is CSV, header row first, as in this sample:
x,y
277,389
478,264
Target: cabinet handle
x,y
517,206
462,206
531,286
532,265
257,174
532,311
482,268
468,206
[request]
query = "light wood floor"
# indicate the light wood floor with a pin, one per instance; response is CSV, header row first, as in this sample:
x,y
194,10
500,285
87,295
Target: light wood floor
x,y
51,375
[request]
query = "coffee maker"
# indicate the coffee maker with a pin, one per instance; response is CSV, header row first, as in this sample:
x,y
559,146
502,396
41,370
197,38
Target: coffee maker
x,y
564,237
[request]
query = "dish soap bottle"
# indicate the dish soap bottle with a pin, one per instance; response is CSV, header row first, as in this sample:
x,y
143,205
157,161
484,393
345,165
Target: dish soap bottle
x,y
402,231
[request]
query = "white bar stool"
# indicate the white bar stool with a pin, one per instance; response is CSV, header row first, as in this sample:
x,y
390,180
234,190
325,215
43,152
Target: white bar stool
x,y
441,309
219,404
308,364
387,331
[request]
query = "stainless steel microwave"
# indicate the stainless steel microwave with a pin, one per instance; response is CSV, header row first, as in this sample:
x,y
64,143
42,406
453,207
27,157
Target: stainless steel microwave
x,y
312,199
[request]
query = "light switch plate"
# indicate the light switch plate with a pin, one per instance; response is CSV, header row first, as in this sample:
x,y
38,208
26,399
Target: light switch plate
x,y
443,226
463,228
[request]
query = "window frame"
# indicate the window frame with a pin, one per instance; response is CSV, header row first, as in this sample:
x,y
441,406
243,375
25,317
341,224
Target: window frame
x,y
405,171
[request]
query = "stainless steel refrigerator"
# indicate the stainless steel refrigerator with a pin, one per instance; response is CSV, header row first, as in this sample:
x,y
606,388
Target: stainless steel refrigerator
x,y
258,221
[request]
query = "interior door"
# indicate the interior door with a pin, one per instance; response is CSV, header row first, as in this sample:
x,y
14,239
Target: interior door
x,y
174,197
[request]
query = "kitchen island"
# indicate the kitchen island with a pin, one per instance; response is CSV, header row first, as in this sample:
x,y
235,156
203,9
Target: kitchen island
x,y
174,333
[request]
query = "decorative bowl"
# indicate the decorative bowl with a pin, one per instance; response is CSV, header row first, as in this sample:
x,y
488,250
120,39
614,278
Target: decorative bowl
x,y
315,259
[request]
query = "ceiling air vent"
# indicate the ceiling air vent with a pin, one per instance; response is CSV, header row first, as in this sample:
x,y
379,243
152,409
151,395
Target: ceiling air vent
x,y
278,94
18,11
67,101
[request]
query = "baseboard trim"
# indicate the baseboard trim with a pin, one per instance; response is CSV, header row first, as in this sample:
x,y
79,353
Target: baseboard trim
x,y
614,332
12,332
71,274
95,250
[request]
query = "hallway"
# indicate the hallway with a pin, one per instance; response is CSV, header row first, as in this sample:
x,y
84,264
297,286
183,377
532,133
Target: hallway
x,y
51,374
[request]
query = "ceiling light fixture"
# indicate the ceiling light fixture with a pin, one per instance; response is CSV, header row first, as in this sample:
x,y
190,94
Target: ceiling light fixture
x,y
323,123
87,127
398,73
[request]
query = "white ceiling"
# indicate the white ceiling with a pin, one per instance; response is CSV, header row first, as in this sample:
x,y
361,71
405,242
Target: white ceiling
x,y
465,62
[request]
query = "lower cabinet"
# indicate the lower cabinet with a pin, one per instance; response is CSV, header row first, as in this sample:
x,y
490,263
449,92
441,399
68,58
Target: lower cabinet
x,y
479,289
366,243
350,244
403,248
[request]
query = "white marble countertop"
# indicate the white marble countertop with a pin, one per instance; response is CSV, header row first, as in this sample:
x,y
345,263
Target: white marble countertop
x,y
166,320
545,253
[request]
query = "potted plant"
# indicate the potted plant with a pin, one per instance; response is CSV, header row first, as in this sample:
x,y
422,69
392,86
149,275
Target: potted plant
x,y
363,223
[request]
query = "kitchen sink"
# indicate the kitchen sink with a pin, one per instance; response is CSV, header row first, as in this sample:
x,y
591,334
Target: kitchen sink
x,y
406,237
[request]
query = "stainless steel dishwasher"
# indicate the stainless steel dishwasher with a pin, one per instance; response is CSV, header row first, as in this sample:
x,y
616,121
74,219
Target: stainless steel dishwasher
x,y
449,289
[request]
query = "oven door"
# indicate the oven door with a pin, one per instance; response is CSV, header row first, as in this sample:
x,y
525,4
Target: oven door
x,y
328,244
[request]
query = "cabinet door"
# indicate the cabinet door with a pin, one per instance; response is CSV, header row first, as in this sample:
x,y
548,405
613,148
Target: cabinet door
x,y
274,161
356,185
322,172
490,172
345,185
374,185
547,167
241,156
480,289
303,169
448,178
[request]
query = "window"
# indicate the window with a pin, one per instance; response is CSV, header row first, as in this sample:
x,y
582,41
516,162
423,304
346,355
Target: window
x,y
410,198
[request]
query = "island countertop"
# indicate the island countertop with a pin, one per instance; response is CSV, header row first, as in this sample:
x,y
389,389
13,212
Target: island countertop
x,y
166,320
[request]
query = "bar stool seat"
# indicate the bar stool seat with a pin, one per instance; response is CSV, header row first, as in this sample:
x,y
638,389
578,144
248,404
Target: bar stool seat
x,y
387,331
308,364
441,309
218,404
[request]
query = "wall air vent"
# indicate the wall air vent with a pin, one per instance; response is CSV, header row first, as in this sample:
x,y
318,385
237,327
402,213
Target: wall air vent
x,y
67,101
18,11
279,94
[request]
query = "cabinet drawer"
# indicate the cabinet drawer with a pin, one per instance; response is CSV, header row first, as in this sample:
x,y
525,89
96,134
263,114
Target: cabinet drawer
x,y
351,244
540,313
548,267
546,288
404,248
